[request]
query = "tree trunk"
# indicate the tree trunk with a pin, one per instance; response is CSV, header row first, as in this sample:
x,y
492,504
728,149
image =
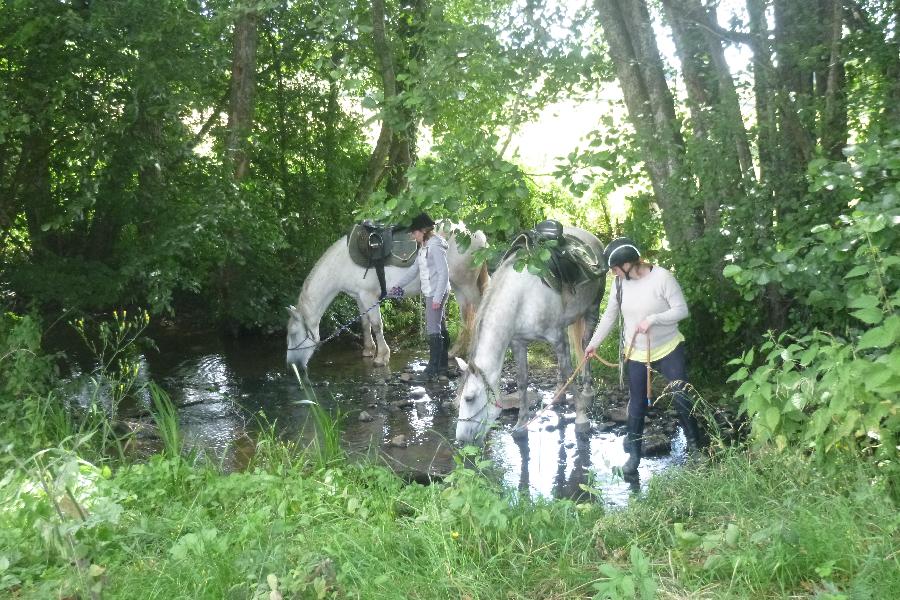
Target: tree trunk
x,y
376,166
833,126
723,153
651,110
762,92
243,84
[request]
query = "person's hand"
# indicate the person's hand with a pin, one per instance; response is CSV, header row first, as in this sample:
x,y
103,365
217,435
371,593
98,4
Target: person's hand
x,y
590,352
396,292
643,326
436,305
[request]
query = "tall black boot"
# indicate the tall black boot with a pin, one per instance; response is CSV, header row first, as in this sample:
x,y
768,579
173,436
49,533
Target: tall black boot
x,y
692,432
435,342
444,356
634,439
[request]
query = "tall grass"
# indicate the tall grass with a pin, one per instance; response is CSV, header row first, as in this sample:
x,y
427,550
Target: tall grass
x,y
165,415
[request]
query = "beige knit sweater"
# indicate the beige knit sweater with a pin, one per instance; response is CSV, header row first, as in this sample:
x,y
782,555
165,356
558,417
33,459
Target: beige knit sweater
x,y
656,297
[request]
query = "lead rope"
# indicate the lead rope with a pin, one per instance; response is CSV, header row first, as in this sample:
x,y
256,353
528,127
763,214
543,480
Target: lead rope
x,y
580,366
628,357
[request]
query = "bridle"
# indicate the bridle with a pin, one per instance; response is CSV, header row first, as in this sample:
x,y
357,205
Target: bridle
x,y
489,392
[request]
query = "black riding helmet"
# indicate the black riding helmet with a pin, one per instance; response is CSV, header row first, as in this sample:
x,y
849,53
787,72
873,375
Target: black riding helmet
x,y
421,222
620,251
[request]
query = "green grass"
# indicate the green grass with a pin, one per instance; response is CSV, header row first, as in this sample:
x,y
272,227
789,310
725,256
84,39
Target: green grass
x,y
752,526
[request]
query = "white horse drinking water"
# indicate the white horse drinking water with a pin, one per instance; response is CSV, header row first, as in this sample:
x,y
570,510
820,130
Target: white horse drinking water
x,y
335,272
519,308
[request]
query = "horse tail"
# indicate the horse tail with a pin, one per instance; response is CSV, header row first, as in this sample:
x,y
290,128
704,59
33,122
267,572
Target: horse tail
x,y
484,279
576,337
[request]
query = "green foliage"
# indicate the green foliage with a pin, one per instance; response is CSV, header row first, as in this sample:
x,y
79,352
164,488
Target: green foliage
x,y
24,367
824,394
849,267
827,392
761,524
638,582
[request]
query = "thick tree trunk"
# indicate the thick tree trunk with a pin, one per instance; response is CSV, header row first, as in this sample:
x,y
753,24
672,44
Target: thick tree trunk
x,y
243,85
632,46
403,144
719,133
376,166
763,96
833,126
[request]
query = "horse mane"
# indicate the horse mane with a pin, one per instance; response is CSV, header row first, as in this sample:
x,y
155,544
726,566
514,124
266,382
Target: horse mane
x,y
492,284
313,274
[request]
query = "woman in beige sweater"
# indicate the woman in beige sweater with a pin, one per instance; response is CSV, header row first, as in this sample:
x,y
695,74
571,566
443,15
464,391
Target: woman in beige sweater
x,y
651,304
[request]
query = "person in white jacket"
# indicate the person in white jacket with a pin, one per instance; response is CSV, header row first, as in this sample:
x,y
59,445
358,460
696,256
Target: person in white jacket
x,y
651,304
434,273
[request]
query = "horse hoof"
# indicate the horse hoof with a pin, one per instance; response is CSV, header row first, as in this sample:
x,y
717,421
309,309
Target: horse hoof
x,y
381,362
582,428
519,432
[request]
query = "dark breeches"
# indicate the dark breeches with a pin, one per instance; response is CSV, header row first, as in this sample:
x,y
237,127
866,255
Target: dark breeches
x,y
673,367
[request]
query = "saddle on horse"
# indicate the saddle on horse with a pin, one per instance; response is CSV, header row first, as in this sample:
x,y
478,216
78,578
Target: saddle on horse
x,y
374,245
572,262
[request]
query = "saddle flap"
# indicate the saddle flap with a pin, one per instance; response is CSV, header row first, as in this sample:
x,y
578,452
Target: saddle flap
x,y
371,243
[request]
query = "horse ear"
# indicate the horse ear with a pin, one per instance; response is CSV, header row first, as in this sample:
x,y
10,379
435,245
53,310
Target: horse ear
x,y
463,365
292,310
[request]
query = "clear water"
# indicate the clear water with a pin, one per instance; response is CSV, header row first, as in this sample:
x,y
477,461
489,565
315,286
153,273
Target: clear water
x,y
223,385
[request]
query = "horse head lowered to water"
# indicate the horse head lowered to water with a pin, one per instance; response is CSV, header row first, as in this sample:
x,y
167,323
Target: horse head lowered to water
x,y
336,272
519,308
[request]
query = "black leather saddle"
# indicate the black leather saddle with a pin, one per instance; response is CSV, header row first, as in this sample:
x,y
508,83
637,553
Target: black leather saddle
x,y
376,245
572,262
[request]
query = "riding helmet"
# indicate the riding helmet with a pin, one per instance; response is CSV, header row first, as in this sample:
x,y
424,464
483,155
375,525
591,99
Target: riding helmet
x,y
620,251
421,222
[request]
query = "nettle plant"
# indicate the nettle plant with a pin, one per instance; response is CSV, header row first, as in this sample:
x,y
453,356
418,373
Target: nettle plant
x,y
831,383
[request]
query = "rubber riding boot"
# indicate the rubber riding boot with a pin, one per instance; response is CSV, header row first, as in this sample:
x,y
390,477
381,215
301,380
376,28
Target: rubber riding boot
x,y
434,349
696,441
444,356
634,439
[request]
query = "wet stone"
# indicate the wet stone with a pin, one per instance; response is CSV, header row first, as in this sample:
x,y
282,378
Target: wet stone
x,y
365,417
416,392
604,426
401,403
406,376
656,444
618,415
398,441
364,389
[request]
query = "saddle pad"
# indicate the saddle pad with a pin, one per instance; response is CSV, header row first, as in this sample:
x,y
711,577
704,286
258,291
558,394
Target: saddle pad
x,y
368,245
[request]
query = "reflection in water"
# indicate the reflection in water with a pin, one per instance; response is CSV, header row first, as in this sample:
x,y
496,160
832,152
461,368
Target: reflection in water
x,y
223,386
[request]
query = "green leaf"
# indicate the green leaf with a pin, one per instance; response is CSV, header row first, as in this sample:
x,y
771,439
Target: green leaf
x,y
857,271
732,534
748,358
773,416
731,270
738,375
872,316
877,337
864,301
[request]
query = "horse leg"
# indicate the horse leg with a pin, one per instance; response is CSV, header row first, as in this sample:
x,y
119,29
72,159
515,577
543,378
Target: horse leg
x,y
520,352
564,360
382,351
369,348
586,397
